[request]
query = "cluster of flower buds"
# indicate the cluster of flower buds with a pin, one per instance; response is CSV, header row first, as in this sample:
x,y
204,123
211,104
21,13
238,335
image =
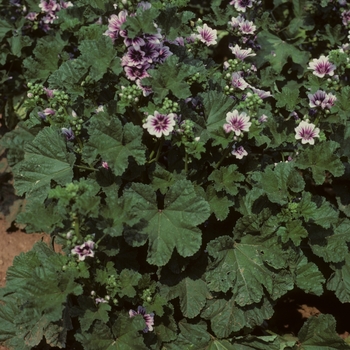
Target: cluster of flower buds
x,y
251,104
193,79
170,106
130,94
147,295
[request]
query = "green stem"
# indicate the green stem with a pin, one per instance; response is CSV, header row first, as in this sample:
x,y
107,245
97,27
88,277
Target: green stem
x,y
226,152
98,242
76,226
186,162
85,167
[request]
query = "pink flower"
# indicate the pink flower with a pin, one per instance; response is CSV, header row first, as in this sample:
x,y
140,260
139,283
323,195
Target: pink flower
x,y
235,21
261,93
238,82
240,53
306,132
321,99
247,27
149,318
207,35
346,17
322,66
241,5
160,124
84,250
237,122
239,152
105,165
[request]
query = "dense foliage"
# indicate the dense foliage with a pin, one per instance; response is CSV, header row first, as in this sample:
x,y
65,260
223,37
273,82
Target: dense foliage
x,y
190,157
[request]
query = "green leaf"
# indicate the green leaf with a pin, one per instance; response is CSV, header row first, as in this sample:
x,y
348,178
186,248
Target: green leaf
x,y
219,203
226,316
128,279
173,23
333,34
69,76
142,22
5,27
265,342
99,55
100,312
289,97
216,105
183,210
294,231
319,333
226,179
321,158
330,243
220,345
192,335
192,294
45,58
244,268
17,43
308,277
342,107
116,143
279,181
45,159
339,282
276,51
170,77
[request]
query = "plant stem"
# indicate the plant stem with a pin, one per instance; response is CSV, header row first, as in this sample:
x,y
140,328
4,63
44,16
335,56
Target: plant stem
x,y
226,152
85,167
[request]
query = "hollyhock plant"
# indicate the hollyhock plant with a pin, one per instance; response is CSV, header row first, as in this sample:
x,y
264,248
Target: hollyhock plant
x,y
306,132
84,250
149,318
200,143
160,124
237,122
207,35
321,66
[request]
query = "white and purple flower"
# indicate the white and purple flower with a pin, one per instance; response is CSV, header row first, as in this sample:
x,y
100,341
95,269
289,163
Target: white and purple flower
x,y
84,250
321,99
322,66
68,133
207,35
237,122
241,5
149,318
240,53
239,152
306,132
160,124
238,82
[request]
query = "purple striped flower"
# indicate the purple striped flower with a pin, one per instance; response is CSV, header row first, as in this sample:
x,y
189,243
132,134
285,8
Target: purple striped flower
x,y
207,35
322,66
239,152
306,132
84,250
321,99
237,122
240,53
149,318
160,124
136,72
241,5
238,82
